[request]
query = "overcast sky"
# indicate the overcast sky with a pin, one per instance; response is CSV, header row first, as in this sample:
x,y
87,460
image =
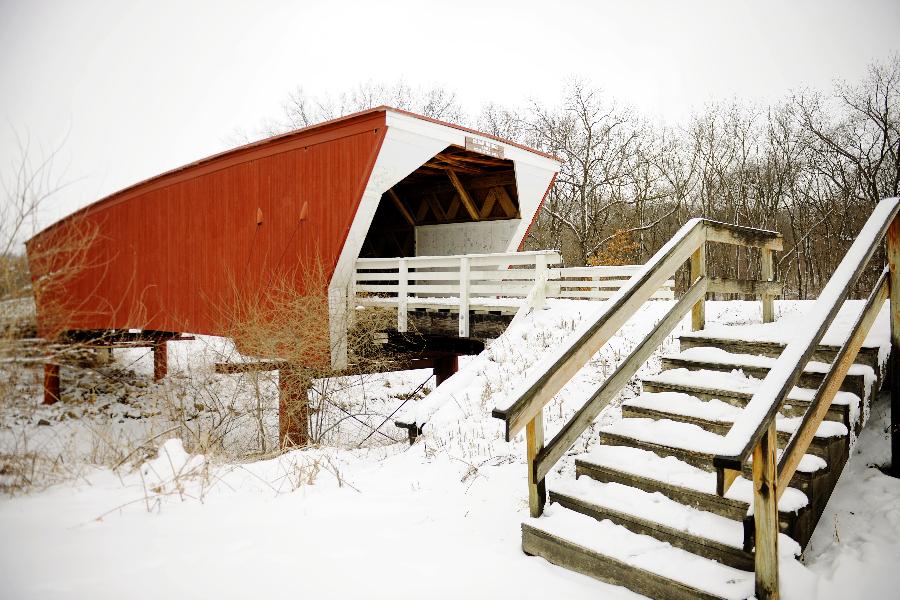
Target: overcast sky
x,y
138,87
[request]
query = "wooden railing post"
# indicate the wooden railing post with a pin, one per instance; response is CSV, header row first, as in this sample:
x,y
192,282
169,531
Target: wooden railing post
x,y
402,295
893,258
765,515
768,274
464,297
534,440
698,270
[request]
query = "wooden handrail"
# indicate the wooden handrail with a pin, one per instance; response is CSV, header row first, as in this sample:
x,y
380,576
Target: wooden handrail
x,y
581,420
754,421
622,306
755,432
831,383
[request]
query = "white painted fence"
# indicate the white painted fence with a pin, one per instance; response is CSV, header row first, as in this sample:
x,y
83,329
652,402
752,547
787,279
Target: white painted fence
x,y
487,282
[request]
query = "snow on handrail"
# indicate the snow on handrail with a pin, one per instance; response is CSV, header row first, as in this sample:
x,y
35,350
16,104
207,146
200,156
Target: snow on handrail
x,y
763,406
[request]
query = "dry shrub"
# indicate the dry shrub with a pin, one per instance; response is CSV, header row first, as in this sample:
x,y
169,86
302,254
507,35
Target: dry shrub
x,y
286,319
619,250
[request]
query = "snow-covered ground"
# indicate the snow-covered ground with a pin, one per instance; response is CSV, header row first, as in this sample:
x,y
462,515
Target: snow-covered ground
x,y
133,512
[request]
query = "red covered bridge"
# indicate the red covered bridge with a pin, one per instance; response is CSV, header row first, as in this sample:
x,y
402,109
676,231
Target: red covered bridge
x,y
165,254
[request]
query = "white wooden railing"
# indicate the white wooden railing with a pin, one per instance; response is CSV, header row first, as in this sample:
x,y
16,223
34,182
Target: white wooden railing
x,y
497,281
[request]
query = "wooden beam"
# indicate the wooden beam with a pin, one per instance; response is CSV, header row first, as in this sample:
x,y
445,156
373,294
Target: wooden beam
x,y
489,202
507,203
740,286
454,207
768,274
698,270
463,195
481,182
423,211
401,207
436,207
534,442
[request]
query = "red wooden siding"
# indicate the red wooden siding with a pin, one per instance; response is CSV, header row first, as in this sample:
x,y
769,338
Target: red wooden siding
x,y
169,248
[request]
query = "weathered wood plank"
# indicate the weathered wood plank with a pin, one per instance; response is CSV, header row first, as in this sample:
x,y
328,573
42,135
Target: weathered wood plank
x,y
698,270
749,237
768,274
534,441
605,568
765,515
720,285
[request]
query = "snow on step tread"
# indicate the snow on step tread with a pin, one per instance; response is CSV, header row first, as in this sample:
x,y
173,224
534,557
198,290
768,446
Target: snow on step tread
x,y
723,357
718,381
644,552
674,472
678,403
687,436
658,508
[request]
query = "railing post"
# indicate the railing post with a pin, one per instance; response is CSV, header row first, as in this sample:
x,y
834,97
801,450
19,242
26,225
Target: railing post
x,y
402,294
698,270
351,299
540,280
464,297
768,274
765,516
534,440
893,258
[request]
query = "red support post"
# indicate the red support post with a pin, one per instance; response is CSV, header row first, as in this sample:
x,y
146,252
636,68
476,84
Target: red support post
x,y
51,383
160,360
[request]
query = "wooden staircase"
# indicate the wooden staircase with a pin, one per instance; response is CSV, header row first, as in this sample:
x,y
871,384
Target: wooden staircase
x,y
651,480
721,468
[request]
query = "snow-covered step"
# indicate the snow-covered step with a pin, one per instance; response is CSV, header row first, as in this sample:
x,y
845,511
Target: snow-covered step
x,y
718,417
689,485
737,388
858,380
652,513
692,444
868,355
642,563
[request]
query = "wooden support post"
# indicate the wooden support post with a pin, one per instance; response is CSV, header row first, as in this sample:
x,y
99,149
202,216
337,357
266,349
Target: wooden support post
x,y
768,274
402,295
160,360
444,368
698,270
765,515
534,441
293,408
893,258
51,383
464,297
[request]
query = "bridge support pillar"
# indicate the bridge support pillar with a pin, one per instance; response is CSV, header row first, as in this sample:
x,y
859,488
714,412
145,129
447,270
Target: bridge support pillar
x,y
160,360
293,408
51,383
